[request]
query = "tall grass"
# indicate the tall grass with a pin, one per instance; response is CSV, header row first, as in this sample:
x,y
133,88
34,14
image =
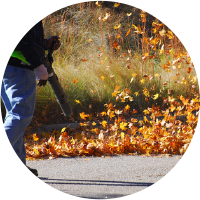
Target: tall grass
x,y
102,49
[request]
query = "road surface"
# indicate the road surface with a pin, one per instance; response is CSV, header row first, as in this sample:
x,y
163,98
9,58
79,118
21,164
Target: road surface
x,y
103,177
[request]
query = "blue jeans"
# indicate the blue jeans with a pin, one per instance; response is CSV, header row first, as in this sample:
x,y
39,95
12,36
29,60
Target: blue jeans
x,y
18,93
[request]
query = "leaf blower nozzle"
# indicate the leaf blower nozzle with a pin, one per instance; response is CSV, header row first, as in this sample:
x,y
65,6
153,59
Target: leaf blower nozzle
x,y
60,95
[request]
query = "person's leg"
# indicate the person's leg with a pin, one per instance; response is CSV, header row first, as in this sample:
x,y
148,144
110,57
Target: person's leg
x,y
5,98
20,88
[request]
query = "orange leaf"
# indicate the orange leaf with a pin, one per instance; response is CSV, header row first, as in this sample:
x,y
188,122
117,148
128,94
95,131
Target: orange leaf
x,y
35,138
64,134
128,32
185,101
146,40
118,36
117,87
110,105
127,91
189,70
75,80
103,113
115,45
164,67
143,19
83,60
134,120
135,111
83,115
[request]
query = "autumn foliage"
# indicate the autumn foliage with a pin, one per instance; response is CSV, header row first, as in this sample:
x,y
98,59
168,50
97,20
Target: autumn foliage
x,y
129,96
122,133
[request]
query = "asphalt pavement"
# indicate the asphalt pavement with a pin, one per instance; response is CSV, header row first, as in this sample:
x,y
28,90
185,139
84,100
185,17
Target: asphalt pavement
x,y
103,177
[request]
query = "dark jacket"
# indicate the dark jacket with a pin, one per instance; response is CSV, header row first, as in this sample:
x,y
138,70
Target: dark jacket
x,y
29,45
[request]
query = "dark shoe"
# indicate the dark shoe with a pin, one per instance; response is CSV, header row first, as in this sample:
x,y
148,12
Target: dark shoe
x,y
34,171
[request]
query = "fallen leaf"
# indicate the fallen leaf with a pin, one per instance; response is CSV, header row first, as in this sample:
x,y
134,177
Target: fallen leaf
x,y
75,80
156,96
101,136
104,124
35,137
103,78
78,102
116,4
189,70
122,135
128,32
89,40
84,60
117,26
94,124
123,126
83,115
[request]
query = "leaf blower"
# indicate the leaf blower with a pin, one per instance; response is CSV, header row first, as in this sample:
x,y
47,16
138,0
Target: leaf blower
x,y
53,81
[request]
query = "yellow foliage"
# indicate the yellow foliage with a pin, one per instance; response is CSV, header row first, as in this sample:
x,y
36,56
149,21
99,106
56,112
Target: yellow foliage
x,y
78,102
83,115
146,92
123,125
104,124
156,96
35,138
119,132
146,112
103,78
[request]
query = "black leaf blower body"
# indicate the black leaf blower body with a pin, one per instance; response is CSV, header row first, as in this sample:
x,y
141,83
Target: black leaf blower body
x,y
55,84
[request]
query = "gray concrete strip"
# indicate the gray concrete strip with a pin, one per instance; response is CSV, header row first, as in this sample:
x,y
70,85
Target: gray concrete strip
x,y
103,177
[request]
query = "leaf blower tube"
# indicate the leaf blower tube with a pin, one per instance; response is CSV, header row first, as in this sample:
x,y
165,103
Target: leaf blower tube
x,y
55,84
60,95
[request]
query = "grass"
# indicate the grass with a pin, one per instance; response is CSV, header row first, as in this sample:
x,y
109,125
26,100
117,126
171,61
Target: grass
x,y
103,50
89,66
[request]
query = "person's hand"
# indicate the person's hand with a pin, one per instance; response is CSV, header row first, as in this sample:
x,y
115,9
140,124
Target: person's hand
x,y
42,75
42,83
55,41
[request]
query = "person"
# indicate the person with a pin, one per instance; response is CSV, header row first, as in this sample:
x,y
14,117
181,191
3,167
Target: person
x,y
18,90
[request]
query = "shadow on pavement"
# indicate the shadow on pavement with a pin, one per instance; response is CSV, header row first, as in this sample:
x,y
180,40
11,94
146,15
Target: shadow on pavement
x,y
94,182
